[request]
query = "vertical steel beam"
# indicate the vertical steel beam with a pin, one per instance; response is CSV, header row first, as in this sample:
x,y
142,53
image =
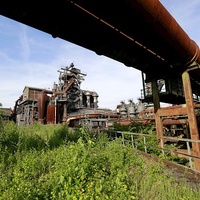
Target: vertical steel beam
x,y
191,117
156,102
143,84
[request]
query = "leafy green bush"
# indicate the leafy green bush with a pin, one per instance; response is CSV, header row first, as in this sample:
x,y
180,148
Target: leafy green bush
x,y
82,166
31,142
63,135
9,137
119,127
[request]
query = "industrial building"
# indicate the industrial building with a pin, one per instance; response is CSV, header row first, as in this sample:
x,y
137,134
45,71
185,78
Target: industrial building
x,y
65,103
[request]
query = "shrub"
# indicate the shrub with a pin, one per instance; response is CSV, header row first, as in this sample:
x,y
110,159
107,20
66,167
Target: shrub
x,y
83,166
9,137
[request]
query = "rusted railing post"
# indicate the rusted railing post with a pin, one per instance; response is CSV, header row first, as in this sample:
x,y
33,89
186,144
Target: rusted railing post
x,y
191,117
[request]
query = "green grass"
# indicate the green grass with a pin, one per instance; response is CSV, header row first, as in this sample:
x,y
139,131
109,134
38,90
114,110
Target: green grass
x,y
55,162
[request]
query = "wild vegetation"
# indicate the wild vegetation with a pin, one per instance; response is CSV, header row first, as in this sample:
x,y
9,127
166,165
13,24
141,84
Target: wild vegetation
x,y
151,142
55,162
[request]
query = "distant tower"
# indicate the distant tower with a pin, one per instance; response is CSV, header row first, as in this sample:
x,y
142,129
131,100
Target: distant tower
x,y
131,108
95,96
88,98
123,110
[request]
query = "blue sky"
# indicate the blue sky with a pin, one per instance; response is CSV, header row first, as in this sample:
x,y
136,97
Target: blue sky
x,y
29,57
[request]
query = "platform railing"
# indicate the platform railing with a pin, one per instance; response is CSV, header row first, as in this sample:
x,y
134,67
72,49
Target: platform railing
x,y
133,141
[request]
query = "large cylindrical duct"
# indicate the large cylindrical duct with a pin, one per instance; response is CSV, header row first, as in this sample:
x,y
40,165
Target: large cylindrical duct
x,y
53,114
149,24
42,100
163,34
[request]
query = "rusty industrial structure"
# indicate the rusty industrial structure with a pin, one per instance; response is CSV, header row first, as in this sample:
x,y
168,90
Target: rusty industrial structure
x,y
65,103
141,34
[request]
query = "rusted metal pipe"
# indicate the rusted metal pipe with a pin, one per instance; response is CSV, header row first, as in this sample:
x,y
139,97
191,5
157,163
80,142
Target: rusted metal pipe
x,y
150,24
184,51
124,30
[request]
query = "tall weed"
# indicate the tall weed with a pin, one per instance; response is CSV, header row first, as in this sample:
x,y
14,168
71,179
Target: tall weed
x,y
9,137
79,165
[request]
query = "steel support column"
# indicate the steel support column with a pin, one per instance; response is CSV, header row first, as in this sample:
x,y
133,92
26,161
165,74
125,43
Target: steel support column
x,y
191,117
65,113
156,102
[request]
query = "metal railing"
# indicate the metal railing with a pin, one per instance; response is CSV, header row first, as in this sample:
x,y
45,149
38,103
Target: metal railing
x,y
133,141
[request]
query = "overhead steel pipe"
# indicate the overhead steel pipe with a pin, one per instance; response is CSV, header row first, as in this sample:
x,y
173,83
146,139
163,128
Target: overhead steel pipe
x,y
139,33
149,23
181,49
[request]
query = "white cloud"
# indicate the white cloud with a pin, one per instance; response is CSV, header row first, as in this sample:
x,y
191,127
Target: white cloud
x,y
25,52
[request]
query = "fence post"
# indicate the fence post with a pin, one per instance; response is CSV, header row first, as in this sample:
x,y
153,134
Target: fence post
x,y
194,133
123,142
189,153
132,141
162,145
145,147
